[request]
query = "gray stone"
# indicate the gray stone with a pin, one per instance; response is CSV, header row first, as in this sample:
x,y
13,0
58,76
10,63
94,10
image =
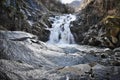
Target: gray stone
x,y
31,59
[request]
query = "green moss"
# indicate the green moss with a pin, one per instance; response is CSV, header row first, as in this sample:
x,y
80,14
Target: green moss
x,y
110,17
112,21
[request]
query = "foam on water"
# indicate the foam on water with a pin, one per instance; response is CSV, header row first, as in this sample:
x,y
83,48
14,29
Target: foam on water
x,y
60,32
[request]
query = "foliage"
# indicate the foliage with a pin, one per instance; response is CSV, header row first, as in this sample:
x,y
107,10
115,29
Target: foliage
x,y
113,21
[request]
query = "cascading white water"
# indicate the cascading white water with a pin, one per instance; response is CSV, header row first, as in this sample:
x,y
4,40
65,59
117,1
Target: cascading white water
x,y
60,31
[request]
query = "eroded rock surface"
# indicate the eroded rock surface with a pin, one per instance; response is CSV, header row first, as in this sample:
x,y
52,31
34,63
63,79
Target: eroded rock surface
x,y
98,23
24,57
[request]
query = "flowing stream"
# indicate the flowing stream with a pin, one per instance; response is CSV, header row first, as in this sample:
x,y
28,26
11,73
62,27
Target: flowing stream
x,y
61,40
60,32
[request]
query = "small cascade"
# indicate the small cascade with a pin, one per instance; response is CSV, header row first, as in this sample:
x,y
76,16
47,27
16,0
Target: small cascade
x,y
60,32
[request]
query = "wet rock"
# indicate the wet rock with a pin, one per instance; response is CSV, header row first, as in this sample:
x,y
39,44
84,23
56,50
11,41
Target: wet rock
x,y
117,49
17,35
93,41
94,27
31,59
23,71
117,54
2,28
30,16
99,71
76,71
103,56
69,50
3,76
108,51
115,63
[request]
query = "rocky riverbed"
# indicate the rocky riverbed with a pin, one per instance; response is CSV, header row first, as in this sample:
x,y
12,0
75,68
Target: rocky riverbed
x,y
24,57
24,24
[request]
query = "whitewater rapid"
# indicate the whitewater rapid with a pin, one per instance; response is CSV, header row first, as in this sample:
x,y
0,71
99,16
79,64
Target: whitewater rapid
x,y
60,32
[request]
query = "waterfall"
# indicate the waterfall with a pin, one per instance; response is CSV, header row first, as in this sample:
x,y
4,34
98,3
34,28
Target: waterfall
x,y
60,31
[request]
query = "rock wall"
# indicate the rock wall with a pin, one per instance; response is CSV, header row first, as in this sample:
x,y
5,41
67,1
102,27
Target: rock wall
x,y
98,24
56,6
29,15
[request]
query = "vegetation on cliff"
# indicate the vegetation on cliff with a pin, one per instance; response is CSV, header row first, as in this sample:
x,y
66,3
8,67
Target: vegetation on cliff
x,y
29,15
26,25
98,18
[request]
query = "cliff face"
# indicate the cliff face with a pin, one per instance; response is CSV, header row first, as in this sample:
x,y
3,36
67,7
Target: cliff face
x,y
29,15
24,57
56,6
21,15
99,23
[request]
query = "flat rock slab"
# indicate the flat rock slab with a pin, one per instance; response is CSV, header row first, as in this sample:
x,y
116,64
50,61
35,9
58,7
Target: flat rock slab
x,y
31,59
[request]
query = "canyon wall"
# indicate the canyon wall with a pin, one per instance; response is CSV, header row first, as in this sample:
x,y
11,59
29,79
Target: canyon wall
x,y
98,23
